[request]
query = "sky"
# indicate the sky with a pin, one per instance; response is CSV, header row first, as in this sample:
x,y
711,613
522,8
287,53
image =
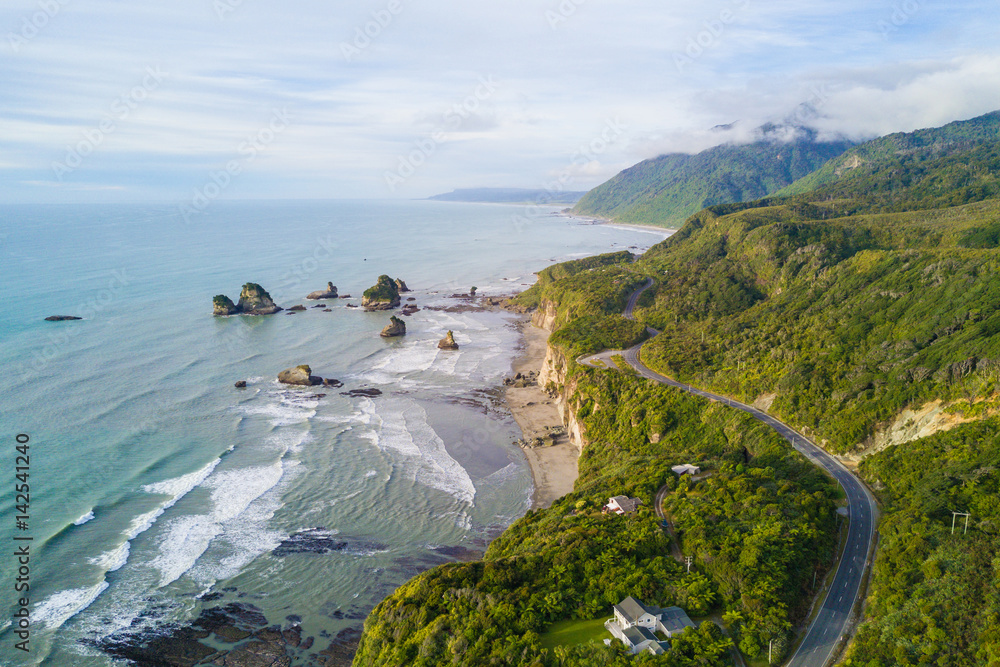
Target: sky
x,y
192,100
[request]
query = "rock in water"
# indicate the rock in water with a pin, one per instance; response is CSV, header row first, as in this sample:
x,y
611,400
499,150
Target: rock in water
x,y
62,318
242,384
401,286
300,375
223,305
448,342
396,327
383,295
297,308
254,300
330,293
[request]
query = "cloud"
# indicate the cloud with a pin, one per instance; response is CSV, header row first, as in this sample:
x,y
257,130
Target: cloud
x,y
865,68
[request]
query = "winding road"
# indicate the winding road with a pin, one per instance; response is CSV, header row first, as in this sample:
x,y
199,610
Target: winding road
x,y
829,625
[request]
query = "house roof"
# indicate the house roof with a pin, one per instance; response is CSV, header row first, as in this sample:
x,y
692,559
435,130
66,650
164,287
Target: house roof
x,y
631,609
675,619
637,635
686,468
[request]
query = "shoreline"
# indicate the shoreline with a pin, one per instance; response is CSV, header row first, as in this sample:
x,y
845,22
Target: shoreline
x,y
553,467
600,220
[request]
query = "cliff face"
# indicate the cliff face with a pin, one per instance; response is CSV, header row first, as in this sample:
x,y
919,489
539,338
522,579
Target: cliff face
x,y
553,378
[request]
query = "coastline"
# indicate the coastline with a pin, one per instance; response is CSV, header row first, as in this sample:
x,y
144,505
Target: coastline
x,y
553,467
600,220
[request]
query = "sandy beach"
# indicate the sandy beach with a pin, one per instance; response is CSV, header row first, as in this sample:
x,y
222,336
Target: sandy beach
x,y
553,467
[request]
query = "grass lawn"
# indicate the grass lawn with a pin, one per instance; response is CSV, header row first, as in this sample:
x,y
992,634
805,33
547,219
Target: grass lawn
x,y
573,632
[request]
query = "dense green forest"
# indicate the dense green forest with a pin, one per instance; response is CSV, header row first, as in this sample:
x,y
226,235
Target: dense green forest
x,y
935,595
759,526
666,190
857,294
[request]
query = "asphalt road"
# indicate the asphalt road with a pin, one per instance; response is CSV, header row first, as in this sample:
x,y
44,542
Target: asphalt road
x,y
829,625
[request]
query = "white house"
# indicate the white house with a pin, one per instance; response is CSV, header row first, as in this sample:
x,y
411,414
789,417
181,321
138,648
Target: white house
x,y
686,469
636,625
622,505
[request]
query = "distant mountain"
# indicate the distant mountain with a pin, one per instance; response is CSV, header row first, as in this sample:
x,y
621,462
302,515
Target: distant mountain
x,y
666,190
510,196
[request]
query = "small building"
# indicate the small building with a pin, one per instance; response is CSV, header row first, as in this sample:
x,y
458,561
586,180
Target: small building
x,y
622,505
686,469
636,625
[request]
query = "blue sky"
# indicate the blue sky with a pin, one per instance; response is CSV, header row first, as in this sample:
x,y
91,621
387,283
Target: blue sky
x,y
115,100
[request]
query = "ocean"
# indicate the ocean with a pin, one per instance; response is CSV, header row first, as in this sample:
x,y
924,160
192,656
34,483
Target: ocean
x,y
158,489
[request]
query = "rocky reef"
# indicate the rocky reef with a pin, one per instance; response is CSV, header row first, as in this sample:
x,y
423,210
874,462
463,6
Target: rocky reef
x,y
383,295
62,318
329,293
254,300
448,342
396,327
300,375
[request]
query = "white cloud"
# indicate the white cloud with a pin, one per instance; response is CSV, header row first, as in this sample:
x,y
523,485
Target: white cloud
x,y
556,86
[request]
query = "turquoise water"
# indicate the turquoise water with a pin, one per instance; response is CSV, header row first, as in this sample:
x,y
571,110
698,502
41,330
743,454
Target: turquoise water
x,y
154,481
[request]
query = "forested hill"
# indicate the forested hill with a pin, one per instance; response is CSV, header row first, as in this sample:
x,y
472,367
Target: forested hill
x,y
666,190
865,312
946,165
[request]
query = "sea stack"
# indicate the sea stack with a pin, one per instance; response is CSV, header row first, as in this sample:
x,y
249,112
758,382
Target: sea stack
x,y
448,342
254,300
396,327
329,293
401,286
383,295
222,305
300,375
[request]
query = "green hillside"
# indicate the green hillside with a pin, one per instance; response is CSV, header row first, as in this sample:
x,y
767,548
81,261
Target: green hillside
x,y
839,309
666,190
931,161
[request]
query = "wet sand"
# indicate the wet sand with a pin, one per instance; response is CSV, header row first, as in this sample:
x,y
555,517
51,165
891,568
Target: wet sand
x,y
553,467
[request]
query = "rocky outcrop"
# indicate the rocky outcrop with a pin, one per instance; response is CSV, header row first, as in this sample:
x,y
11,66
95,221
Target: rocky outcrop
x,y
448,342
222,305
297,308
254,300
366,393
383,295
401,286
396,327
241,384
300,375
329,293
62,318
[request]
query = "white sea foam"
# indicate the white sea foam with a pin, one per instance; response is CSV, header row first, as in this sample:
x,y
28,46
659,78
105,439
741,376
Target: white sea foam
x,y
371,473
58,608
401,426
89,516
186,538
113,560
